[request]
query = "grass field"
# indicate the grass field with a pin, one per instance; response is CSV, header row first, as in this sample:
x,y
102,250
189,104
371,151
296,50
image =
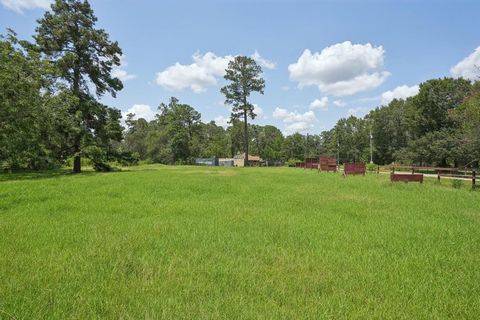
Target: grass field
x,y
236,243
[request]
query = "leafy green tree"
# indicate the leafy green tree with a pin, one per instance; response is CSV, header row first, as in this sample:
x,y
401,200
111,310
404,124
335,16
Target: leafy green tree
x,y
389,131
434,148
236,136
181,123
245,77
268,142
32,116
84,56
312,145
20,82
431,106
214,140
328,143
467,119
104,134
175,136
294,147
351,134
135,135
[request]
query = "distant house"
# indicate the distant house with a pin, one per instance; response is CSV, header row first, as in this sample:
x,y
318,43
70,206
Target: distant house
x,y
239,160
206,162
226,162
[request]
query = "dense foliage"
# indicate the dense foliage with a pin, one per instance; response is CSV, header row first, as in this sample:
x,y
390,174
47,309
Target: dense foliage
x,y
440,126
47,113
50,117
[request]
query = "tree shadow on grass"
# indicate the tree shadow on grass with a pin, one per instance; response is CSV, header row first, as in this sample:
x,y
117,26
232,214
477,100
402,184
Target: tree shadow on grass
x,y
43,174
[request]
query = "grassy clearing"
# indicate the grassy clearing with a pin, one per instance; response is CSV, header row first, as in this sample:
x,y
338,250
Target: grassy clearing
x,y
206,243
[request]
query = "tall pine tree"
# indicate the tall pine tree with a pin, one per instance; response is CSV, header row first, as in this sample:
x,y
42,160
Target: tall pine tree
x,y
84,57
245,77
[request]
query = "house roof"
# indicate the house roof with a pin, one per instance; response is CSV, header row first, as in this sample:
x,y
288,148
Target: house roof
x,y
254,158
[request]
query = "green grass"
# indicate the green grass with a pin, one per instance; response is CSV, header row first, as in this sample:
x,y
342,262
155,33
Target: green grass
x,y
236,243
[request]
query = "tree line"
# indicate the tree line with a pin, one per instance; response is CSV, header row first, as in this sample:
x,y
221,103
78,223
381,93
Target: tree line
x,y
440,126
50,114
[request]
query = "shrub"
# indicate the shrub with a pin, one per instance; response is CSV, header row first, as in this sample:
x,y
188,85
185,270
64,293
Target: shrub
x,y
98,157
127,158
457,184
292,162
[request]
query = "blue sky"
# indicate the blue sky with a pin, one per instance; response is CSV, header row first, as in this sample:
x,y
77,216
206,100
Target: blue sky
x,y
322,60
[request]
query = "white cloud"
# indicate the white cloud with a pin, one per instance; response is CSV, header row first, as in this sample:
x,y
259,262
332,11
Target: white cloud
x,y
141,111
120,72
294,121
468,68
221,121
198,76
20,5
320,104
342,69
339,103
258,111
262,61
285,88
401,92
203,73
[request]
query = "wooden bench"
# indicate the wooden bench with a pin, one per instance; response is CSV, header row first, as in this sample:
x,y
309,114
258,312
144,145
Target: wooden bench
x,y
354,168
397,177
328,164
311,163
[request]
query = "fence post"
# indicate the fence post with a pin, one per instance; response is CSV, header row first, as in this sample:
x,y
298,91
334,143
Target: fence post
x,y
438,176
413,170
474,179
378,169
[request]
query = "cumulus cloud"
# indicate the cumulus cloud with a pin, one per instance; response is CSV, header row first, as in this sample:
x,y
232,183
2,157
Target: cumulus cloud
x,y
294,121
339,103
468,68
319,104
342,69
203,73
198,76
222,121
262,61
258,111
141,111
401,92
120,72
21,5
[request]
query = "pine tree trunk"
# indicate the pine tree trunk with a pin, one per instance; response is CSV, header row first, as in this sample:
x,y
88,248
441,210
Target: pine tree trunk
x,y
245,126
77,161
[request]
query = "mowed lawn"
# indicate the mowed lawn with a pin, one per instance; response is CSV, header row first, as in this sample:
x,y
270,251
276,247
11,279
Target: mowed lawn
x,y
236,243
